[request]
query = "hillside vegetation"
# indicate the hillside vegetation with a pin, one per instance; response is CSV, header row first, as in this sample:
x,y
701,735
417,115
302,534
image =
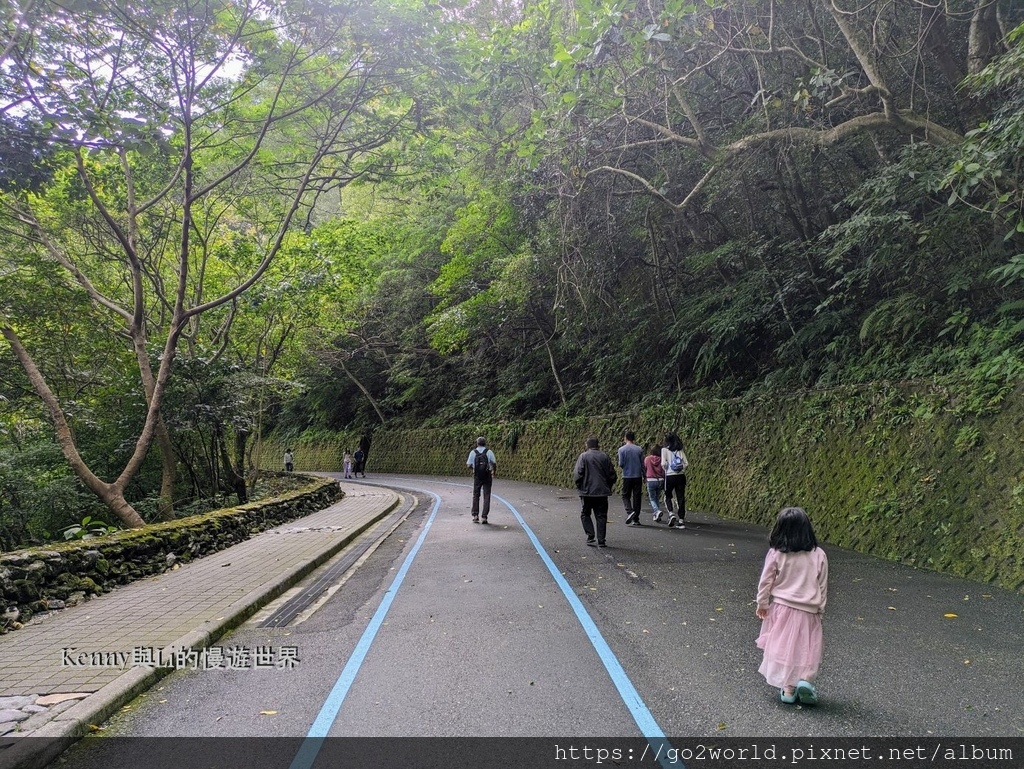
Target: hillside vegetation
x,y
354,215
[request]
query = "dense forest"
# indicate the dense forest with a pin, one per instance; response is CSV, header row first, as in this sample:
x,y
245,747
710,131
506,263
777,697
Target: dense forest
x,y
221,219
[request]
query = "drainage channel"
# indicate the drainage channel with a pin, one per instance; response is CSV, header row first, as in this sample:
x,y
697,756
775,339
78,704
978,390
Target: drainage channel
x,y
289,610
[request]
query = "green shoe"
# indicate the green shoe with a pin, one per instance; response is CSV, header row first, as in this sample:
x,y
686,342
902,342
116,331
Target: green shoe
x,y
806,693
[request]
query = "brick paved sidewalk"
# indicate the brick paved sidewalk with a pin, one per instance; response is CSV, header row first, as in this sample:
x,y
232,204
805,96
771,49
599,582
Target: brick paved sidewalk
x,y
197,601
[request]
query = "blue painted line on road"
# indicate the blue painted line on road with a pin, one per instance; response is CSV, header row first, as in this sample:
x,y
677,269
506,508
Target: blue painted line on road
x,y
332,705
630,696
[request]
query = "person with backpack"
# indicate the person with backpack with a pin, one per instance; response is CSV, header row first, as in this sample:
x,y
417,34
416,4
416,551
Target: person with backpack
x,y
483,464
674,463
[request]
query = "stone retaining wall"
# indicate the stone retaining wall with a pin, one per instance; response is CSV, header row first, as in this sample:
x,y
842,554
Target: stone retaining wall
x,y
920,473
63,574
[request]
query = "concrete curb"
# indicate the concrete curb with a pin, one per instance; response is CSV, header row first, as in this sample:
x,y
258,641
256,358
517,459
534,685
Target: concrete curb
x,y
45,744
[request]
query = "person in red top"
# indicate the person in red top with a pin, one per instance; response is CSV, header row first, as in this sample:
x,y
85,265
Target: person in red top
x,y
791,598
655,475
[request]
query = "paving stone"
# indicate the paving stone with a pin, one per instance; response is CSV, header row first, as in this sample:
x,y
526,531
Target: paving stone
x,y
37,721
56,699
9,716
59,708
17,703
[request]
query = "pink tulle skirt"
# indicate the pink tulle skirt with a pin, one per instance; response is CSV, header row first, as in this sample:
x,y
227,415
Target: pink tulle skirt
x,y
792,644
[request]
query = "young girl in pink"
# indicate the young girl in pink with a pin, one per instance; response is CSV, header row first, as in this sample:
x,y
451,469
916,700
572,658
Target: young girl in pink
x,y
791,601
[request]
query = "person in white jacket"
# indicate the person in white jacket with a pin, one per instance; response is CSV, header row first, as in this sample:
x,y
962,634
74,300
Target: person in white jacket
x,y
674,463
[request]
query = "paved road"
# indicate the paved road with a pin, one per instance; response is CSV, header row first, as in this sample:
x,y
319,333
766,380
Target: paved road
x,y
479,640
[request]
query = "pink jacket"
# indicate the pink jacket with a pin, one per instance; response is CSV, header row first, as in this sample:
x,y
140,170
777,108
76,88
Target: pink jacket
x,y
652,467
798,580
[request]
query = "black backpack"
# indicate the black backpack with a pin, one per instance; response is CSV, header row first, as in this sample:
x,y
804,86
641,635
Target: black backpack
x,y
481,464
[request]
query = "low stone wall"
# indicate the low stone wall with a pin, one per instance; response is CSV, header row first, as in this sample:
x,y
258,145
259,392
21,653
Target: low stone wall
x,y
927,474
63,574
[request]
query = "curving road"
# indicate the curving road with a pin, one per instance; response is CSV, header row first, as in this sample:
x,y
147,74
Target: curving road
x,y
517,628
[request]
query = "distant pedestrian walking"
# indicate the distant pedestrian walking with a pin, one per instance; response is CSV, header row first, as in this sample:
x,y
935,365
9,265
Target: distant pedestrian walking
x,y
483,463
655,475
289,460
674,463
347,462
631,460
360,463
594,477
790,602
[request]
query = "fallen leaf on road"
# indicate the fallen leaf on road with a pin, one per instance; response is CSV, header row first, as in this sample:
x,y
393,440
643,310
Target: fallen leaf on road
x,y
268,712
950,615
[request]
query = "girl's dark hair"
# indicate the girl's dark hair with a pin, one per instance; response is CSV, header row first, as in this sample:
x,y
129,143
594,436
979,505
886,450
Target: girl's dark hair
x,y
793,531
672,442
656,450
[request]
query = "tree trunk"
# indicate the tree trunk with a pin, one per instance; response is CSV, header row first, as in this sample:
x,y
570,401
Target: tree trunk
x,y
238,468
362,389
111,494
168,461
165,505
554,368
115,500
984,41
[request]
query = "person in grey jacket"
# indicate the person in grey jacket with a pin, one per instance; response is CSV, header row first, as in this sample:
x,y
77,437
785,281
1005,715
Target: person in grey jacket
x,y
594,476
631,460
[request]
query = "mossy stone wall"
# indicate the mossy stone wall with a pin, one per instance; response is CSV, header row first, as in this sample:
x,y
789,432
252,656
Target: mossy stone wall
x,y
63,574
905,472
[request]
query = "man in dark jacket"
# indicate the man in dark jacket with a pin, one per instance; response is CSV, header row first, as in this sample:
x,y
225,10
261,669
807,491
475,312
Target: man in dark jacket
x,y
594,476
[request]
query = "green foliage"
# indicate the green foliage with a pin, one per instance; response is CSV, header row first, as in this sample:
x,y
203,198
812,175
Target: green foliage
x,y
25,154
987,173
38,495
88,528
